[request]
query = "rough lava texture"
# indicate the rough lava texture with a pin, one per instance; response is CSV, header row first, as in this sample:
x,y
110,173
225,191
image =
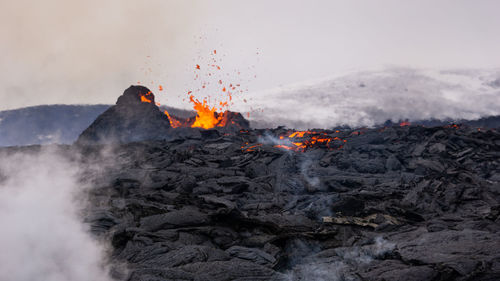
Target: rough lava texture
x,y
389,203
129,120
396,203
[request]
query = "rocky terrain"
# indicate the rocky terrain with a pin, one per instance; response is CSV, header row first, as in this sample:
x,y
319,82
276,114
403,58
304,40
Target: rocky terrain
x,y
395,203
389,203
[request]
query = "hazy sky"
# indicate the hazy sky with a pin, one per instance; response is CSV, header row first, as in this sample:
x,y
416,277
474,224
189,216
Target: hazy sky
x,y
59,51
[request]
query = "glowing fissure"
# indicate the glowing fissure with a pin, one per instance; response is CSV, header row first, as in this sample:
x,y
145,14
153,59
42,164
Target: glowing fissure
x,y
300,141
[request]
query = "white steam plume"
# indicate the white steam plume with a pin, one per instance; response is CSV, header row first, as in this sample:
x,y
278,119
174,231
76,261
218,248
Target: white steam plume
x,y
340,266
42,236
372,97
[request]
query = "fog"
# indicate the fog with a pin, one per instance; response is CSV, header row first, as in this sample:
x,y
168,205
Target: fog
x,y
42,234
372,97
57,51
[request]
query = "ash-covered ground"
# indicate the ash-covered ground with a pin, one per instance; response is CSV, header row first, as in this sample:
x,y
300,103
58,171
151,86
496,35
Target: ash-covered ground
x,y
391,203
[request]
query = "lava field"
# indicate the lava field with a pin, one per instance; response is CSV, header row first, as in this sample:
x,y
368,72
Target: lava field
x,y
408,203
391,203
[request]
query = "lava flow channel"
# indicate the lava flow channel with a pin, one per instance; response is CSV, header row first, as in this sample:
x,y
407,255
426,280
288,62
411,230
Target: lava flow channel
x,y
300,141
303,140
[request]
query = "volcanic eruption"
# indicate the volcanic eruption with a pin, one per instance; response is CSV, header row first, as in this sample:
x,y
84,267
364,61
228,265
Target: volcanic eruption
x,y
136,117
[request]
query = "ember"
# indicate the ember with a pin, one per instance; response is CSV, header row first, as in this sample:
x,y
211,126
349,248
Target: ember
x,y
211,110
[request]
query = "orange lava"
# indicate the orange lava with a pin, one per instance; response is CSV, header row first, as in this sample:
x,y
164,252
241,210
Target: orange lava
x,y
211,104
205,116
404,123
175,123
455,126
248,148
302,140
144,99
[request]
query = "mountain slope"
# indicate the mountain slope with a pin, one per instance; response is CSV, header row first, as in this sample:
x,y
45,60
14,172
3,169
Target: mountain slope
x,y
56,123
46,123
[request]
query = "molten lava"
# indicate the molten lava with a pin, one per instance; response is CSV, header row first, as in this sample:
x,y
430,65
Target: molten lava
x,y
147,97
144,99
205,116
174,122
213,110
302,140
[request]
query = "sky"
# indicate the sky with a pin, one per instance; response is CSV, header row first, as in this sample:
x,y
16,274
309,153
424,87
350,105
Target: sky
x,y
88,52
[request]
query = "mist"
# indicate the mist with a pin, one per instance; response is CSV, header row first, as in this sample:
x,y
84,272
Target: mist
x,y
43,237
60,52
309,264
370,98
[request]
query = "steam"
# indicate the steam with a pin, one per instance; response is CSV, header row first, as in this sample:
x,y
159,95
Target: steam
x,y
42,237
309,263
305,167
272,140
373,97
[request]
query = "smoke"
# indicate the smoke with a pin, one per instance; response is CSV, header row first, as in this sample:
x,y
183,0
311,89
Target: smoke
x,y
42,236
89,51
305,167
269,139
373,97
309,263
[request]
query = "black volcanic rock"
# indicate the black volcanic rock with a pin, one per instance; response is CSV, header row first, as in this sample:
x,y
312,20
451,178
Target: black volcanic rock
x,y
398,203
131,119
234,121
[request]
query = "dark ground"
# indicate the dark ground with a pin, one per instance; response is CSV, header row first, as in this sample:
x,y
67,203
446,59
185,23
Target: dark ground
x,y
390,203
398,203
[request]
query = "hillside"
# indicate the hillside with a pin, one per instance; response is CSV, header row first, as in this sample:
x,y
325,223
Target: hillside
x,y
46,123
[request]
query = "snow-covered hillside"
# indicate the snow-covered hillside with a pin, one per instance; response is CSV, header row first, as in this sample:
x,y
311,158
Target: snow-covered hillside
x,y
372,97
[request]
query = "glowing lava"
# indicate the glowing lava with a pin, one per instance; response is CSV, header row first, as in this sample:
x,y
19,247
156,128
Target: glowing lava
x,y
205,116
212,107
302,140
174,122
144,98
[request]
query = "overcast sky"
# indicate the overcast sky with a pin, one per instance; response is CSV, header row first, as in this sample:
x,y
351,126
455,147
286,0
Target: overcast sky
x,y
59,51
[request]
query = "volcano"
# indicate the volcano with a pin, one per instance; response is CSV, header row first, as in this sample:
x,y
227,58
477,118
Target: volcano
x,y
131,119
137,117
